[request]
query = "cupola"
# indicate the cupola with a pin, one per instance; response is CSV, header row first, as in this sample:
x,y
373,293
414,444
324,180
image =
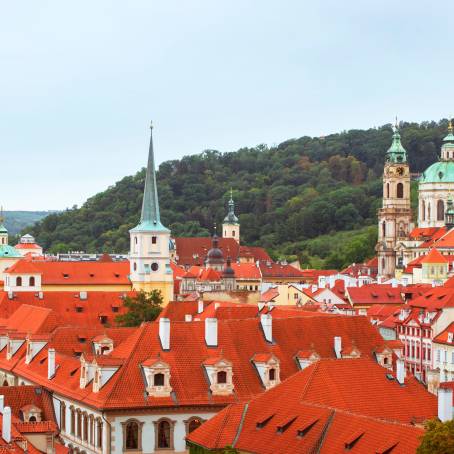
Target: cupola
x,y
396,152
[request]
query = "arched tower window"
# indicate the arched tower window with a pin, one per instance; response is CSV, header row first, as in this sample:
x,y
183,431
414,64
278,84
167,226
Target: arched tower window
x,y
428,211
387,190
32,281
383,229
19,281
440,210
423,210
383,265
400,190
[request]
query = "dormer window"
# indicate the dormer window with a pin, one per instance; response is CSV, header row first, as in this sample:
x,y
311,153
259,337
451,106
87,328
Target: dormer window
x,y
272,374
157,374
30,413
268,368
220,374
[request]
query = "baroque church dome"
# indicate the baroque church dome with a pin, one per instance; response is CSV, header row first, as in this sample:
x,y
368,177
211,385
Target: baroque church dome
x,y
439,172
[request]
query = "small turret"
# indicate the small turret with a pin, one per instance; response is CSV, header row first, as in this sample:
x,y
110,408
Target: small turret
x,y
447,149
3,230
215,257
231,224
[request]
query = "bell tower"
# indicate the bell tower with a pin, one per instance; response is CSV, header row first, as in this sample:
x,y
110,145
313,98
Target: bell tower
x,y
231,224
149,254
394,217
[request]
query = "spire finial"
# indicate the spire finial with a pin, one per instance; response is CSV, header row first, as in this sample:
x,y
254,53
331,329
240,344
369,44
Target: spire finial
x,y
450,129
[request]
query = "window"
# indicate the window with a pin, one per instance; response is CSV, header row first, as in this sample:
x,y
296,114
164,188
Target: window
x,y
32,419
383,228
135,240
134,266
423,211
400,191
438,355
73,421
387,190
158,379
85,427
132,435
222,377
99,433
154,240
154,266
32,282
63,417
79,424
440,210
272,374
164,435
192,424
18,281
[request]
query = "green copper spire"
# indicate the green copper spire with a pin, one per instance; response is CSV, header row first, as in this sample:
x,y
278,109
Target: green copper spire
x,y
150,219
396,152
231,218
2,220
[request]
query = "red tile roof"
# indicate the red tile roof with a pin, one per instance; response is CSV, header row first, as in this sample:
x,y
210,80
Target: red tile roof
x,y
375,294
327,406
238,342
75,273
445,335
246,271
434,256
277,270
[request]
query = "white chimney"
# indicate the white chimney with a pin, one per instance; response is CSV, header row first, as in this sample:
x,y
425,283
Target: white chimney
x,y
2,403
444,404
267,325
400,371
50,363
211,332
200,306
188,318
216,305
6,429
338,346
164,333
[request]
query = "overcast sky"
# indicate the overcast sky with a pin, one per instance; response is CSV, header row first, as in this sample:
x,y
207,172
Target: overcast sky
x,y
80,81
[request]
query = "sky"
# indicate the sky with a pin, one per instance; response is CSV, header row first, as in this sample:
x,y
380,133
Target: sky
x,y
81,81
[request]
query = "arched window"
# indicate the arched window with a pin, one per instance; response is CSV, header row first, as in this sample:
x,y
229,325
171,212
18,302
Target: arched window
x,y
18,281
423,211
387,190
99,434
222,377
164,434
73,421
440,210
85,426
400,190
32,419
32,282
135,266
428,211
79,424
132,435
63,417
193,424
383,264
383,229
158,379
272,374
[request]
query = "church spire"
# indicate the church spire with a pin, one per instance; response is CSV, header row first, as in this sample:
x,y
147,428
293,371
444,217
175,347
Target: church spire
x,y
396,152
150,219
231,217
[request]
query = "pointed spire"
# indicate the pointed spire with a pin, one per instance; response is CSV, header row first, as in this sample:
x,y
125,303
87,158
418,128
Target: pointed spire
x,y
450,136
150,219
2,220
231,217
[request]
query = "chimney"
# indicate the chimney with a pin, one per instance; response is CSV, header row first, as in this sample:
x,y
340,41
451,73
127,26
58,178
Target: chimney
x,y
267,325
444,404
200,306
50,363
2,403
188,318
400,371
211,332
6,429
338,346
216,306
164,333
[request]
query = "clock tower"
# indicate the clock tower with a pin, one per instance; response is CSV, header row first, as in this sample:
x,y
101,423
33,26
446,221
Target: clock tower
x,y
394,217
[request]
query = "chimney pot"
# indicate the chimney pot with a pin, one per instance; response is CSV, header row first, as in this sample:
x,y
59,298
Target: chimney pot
x,y
400,371
200,306
50,363
338,346
6,427
188,318
267,325
211,332
164,333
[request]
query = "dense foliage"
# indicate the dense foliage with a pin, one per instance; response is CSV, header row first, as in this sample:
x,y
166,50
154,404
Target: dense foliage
x,y
438,438
286,196
144,307
15,221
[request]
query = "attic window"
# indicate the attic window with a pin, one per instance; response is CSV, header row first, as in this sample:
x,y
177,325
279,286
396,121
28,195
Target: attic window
x,y
283,427
114,308
387,449
103,319
79,309
350,443
92,275
262,423
374,295
82,339
305,429
116,275
65,275
42,360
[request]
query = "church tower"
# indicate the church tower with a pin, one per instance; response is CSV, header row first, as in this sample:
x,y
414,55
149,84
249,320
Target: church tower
x,y
3,230
231,224
394,217
150,241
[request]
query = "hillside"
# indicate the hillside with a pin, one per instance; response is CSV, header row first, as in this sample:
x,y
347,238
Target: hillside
x,y
15,221
287,196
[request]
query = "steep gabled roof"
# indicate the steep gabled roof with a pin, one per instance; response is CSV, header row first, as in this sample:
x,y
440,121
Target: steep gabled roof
x,y
434,256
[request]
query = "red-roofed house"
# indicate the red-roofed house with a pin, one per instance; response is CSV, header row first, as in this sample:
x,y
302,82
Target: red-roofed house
x,y
362,298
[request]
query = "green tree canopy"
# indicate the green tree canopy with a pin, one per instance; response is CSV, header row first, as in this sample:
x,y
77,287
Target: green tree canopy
x,y
438,439
144,307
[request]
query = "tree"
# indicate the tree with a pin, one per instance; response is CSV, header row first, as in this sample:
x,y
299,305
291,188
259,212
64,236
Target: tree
x,y
438,438
144,307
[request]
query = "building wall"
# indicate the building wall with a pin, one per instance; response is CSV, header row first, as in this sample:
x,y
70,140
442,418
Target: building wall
x,y
429,195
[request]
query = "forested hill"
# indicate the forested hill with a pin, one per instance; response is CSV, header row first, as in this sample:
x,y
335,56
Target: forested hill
x,y
286,196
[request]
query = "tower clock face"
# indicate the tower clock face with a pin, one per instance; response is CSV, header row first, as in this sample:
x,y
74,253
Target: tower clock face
x,y
400,171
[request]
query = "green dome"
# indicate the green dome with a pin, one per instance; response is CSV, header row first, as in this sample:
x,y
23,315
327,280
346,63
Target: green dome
x,y
439,172
3,228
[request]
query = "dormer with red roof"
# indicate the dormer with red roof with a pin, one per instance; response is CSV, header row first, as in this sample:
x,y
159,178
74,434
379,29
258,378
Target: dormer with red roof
x,y
220,375
268,368
23,276
157,375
